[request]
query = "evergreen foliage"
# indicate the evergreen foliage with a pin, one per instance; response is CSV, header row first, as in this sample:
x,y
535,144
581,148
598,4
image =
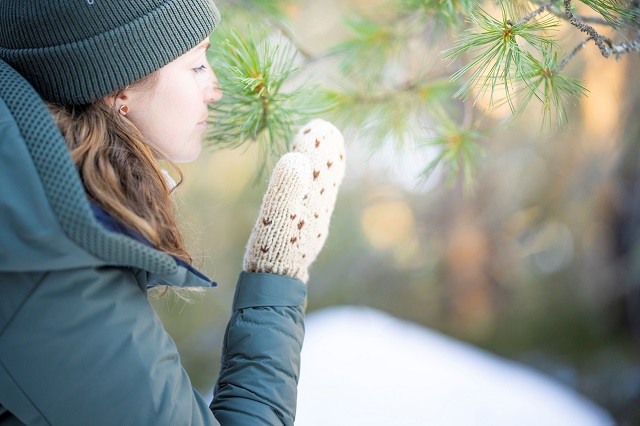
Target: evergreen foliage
x,y
504,53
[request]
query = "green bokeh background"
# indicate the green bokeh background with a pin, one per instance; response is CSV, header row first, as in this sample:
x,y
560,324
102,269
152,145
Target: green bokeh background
x,y
537,264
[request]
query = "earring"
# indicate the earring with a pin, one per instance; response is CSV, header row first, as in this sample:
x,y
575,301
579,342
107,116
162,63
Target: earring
x,y
123,110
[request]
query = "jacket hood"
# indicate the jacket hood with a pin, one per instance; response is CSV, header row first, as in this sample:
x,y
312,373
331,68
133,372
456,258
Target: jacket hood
x,y
46,221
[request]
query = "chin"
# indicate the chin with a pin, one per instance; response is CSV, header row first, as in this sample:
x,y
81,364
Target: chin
x,y
187,157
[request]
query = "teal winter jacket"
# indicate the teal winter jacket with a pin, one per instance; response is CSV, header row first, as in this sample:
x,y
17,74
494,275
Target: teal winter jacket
x,y
79,342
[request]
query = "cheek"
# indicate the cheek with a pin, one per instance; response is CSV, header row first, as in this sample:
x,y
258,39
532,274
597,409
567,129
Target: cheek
x,y
166,114
176,132
179,105
169,118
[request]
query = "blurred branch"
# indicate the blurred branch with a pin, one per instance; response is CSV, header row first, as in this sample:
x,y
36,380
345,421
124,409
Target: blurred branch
x,y
308,56
625,47
562,15
286,31
459,151
571,54
390,94
543,7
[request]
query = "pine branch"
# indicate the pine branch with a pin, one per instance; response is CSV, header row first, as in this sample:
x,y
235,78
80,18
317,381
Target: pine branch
x,y
597,38
501,60
550,87
459,153
286,31
256,108
444,13
372,43
571,54
275,17
393,112
625,47
605,44
543,8
408,88
562,15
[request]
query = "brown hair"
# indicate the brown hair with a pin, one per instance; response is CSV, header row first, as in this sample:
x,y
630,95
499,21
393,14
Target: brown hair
x,y
120,171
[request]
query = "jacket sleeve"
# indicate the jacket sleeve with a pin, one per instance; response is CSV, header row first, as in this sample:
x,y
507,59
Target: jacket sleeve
x,y
260,362
85,347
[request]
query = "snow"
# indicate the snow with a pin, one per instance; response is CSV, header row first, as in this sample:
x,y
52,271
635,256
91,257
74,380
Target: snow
x,y
365,367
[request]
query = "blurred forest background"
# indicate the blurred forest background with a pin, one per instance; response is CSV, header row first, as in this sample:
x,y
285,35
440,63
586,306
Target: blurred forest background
x,y
534,256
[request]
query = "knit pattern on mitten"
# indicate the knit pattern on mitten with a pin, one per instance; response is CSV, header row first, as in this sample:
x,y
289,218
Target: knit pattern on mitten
x,y
322,143
294,218
273,246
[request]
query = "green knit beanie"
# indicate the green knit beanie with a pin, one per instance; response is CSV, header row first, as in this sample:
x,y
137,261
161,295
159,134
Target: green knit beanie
x,y
77,51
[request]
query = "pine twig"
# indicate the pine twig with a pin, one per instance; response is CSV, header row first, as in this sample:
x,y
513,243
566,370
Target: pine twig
x,y
281,26
397,92
605,44
625,47
293,39
571,54
543,7
597,38
562,15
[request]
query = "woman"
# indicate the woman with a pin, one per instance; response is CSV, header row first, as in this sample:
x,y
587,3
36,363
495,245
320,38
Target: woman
x,y
87,223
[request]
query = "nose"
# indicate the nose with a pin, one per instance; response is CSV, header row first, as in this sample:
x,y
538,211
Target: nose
x,y
213,92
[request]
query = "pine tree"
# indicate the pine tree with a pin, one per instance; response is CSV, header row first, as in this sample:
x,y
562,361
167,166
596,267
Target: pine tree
x,y
505,53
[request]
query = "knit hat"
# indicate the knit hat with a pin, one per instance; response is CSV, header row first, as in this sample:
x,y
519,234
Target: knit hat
x,y
77,51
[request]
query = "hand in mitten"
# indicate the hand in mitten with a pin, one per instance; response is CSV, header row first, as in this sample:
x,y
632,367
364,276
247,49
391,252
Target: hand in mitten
x,y
293,223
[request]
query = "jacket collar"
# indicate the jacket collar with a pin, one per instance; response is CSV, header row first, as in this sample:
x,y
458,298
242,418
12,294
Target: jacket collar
x,y
186,276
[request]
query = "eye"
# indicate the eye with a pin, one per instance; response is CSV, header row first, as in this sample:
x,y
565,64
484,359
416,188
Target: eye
x,y
200,69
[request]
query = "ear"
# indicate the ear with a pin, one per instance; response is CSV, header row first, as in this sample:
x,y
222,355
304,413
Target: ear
x,y
116,101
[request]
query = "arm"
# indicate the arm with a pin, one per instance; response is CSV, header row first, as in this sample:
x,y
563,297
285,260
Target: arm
x,y
261,354
85,347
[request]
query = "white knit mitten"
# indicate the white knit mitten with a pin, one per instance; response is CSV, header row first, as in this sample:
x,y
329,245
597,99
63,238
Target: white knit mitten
x,y
296,210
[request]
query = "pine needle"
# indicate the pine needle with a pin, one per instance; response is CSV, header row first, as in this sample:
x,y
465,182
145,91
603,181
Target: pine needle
x,y
255,108
551,88
459,152
498,59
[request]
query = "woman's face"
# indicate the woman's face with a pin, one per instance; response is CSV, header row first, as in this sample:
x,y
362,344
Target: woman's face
x,y
172,115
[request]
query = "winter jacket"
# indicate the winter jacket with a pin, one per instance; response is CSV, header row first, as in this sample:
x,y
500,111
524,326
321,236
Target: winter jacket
x,y
79,342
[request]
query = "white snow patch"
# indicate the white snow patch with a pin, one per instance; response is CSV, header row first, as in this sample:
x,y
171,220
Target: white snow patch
x,y
365,367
